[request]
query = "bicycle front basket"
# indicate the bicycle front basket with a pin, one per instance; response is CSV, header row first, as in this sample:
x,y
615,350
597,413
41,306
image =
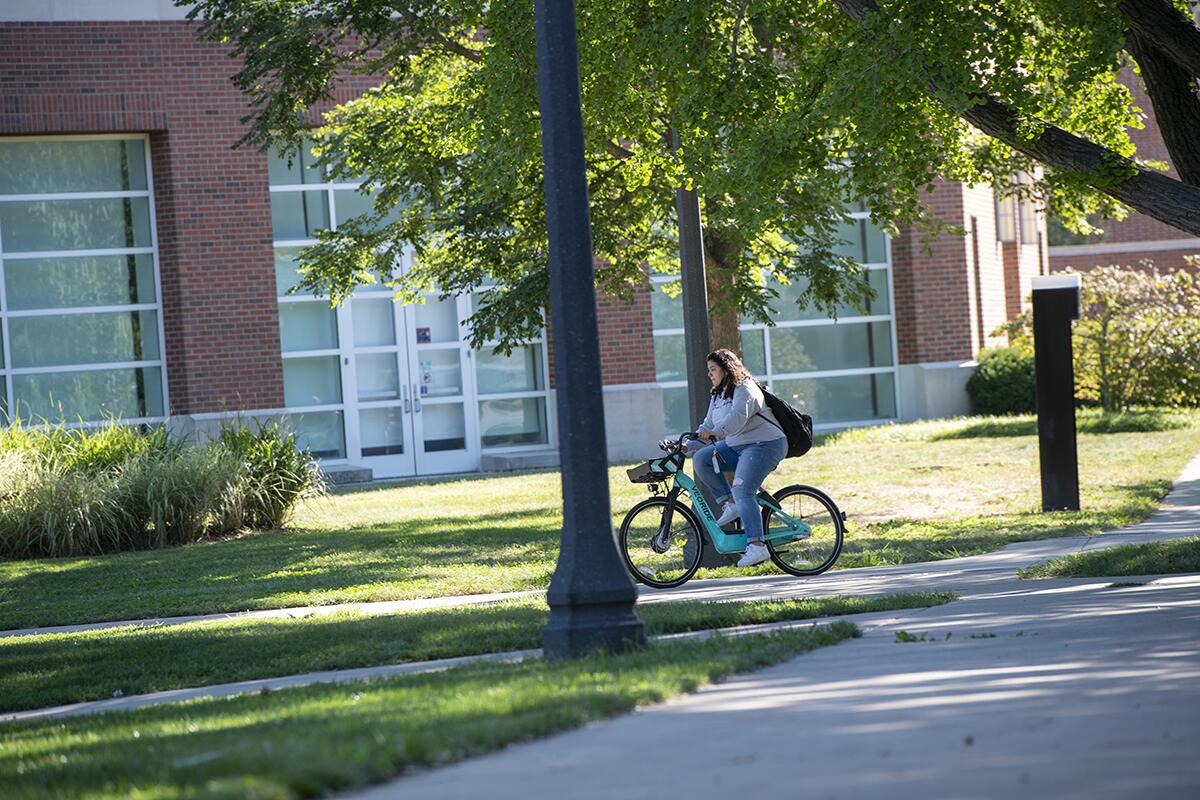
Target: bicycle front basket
x,y
651,471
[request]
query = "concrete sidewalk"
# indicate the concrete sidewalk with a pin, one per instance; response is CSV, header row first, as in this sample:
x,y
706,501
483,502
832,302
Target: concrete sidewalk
x,y
1083,691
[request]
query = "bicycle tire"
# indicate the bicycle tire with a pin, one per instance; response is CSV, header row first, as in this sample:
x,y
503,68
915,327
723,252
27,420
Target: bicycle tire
x,y
814,554
645,563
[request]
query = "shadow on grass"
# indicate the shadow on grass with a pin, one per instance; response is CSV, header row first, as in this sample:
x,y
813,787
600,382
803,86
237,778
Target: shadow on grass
x,y
54,670
314,740
504,551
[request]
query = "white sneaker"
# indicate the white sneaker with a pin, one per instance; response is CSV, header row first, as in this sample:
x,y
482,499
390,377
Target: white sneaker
x,y
756,553
729,513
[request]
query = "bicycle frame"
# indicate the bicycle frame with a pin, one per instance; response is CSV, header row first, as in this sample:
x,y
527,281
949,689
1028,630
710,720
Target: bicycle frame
x,y
730,542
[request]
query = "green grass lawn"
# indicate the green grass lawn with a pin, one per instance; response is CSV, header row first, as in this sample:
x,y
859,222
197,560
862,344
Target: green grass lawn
x,y
913,492
1151,558
320,739
55,669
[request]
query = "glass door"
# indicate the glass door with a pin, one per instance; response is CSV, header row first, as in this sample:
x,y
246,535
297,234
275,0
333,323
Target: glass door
x,y
442,386
408,366
379,411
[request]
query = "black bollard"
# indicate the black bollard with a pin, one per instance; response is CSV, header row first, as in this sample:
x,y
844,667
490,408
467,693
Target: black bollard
x,y
591,595
1056,301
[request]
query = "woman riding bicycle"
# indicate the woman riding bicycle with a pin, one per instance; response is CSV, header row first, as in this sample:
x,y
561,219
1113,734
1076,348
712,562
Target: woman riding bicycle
x,y
744,438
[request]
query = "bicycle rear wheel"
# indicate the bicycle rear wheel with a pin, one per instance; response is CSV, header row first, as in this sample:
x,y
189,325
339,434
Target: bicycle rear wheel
x,y
657,557
807,553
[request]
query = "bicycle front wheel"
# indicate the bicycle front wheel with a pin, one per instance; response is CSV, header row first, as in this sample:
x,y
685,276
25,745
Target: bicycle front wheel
x,y
817,542
657,556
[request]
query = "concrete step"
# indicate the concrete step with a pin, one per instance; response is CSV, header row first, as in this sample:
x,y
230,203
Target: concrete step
x,y
347,473
508,462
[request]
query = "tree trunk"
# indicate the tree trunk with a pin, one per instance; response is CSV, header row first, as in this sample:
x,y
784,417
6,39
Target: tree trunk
x,y
722,251
1176,107
1154,194
723,317
1159,22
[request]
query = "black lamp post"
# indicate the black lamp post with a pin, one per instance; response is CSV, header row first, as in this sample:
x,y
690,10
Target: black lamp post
x,y
1055,304
591,595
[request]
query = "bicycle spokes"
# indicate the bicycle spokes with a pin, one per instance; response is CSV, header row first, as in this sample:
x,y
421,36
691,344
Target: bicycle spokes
x,y
805,535
660,550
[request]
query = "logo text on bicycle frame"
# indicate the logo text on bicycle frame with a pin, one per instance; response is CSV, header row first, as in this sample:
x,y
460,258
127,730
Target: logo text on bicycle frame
x,y
701,503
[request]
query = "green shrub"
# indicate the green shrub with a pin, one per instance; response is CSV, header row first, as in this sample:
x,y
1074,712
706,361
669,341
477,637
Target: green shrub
x,y
108,488
182,498
1003,383
1138,341
88,449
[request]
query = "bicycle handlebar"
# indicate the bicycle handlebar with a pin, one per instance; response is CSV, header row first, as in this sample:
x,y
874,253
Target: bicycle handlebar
x,y
674,446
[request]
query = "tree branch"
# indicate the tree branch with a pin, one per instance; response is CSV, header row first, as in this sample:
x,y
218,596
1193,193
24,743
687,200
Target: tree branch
x,y
1164,198
737,29
458,48
617,151
1158,21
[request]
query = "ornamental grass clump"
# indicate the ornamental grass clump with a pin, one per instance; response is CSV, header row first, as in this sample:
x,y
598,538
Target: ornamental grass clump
x,y
109,488
279,473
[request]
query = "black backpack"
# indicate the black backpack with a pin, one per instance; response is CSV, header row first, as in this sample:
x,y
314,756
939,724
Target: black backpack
x,y
796,426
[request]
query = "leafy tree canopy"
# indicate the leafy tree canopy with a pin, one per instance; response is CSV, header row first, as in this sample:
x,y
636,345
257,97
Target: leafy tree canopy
x,y
785,112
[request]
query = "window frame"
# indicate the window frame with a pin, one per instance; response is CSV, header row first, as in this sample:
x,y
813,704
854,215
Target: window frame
x,y
769,376
7,370
545,392
380,291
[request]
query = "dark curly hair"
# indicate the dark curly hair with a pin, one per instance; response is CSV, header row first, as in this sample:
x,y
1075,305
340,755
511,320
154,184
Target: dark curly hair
x,y
735,371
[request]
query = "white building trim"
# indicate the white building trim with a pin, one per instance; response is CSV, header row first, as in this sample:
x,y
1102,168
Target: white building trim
x,y
1101,248
90,10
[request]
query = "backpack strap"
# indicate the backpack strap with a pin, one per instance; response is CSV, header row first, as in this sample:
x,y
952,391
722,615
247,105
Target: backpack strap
x,y
776,424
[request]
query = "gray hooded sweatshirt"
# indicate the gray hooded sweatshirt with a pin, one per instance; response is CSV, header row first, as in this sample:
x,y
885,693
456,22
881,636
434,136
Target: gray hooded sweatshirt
x,y
743,418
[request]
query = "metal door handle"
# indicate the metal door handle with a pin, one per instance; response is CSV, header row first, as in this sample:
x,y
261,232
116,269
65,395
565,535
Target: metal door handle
x,y
416,400
407,402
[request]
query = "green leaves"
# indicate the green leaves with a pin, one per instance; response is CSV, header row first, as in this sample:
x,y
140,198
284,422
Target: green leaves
x,y
785,113
1138,341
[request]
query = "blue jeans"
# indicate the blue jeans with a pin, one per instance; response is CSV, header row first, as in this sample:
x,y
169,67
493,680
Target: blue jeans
x,y
750,464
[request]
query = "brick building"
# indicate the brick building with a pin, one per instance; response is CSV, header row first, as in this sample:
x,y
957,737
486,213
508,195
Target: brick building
x,y
1137,237
144,265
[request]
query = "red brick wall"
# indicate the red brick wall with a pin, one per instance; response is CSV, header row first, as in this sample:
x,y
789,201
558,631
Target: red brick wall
x,y
212,207
626,339
951,297
990,308
933,298
1161,259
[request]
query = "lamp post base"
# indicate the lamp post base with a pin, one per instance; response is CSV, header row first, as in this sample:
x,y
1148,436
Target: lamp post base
x,y
580,630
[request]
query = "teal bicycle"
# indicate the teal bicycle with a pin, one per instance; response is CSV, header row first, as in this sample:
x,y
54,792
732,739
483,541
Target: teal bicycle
x,y
662,539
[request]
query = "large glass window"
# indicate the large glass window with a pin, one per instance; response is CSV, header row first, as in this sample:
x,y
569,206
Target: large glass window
x,y
840,368
512,394
302,203
80,316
